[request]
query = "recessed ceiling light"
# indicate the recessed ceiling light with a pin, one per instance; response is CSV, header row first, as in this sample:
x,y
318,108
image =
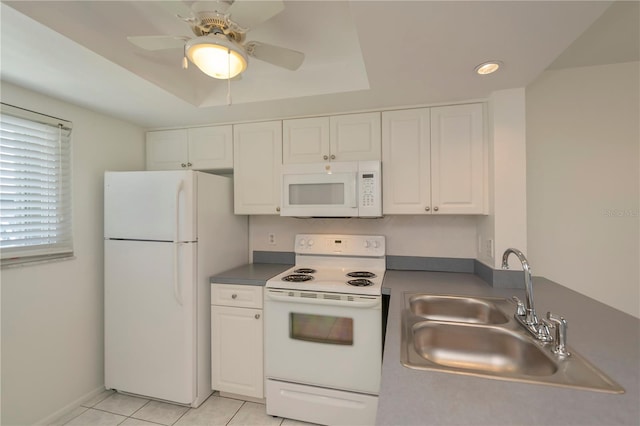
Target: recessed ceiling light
x,y
488,67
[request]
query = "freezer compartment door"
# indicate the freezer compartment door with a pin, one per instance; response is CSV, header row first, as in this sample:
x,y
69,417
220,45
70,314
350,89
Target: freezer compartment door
x,y
154,206
150,319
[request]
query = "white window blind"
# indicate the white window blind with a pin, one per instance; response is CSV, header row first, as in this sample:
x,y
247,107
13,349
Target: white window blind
x,y
35,186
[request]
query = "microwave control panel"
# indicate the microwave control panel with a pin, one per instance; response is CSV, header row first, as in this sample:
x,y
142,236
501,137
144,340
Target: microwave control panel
x,y
369,190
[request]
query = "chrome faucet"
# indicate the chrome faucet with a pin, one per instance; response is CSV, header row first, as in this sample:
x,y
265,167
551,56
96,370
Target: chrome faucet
x,y
560,325
527,316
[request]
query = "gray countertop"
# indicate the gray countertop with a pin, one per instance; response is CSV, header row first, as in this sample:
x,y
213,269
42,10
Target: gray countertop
x,y
250,274
608,338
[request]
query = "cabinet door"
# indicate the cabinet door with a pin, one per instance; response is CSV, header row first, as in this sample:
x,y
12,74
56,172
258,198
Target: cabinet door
x,y
457,159
237,351
406,162
211,148
167,150
305,140
257,164
355,137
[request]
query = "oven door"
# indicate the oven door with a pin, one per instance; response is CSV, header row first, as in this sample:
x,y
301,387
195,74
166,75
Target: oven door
x,y
310,190
313,338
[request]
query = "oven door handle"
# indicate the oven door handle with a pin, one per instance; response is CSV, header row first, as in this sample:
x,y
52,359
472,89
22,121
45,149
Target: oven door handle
x,y
363,303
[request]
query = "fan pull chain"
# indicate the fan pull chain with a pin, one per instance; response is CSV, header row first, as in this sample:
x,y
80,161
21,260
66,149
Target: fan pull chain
x,y
229,77
185,63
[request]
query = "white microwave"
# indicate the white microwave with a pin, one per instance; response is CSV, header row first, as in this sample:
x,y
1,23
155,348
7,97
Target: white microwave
x,y
340,189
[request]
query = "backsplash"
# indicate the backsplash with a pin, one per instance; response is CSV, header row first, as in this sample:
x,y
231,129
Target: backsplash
x,y
424,236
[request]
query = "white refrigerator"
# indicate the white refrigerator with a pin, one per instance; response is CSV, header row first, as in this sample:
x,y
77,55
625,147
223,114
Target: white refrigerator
x,y
165,234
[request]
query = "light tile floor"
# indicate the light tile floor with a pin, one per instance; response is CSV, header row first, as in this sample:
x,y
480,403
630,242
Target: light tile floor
x,y
111,409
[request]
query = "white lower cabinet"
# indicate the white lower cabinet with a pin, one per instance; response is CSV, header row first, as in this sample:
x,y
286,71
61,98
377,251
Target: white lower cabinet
x,y
237,340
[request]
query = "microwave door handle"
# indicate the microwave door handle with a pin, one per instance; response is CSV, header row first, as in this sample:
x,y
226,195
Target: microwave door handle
x,y
354,192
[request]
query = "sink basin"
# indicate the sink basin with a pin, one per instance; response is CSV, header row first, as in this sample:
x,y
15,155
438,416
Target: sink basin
x,y
460,309
489,349
479,336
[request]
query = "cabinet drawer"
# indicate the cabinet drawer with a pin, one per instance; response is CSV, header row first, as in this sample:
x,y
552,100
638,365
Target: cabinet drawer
x,y
246,296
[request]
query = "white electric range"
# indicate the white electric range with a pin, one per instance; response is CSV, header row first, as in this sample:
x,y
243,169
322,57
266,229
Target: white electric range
x,y
323,330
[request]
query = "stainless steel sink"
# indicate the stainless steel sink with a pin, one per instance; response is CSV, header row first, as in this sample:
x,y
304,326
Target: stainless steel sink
x,y
488,349
479,337
460,309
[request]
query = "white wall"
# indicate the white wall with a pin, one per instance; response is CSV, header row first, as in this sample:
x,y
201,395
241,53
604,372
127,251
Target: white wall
x,y
505,224
52,314
429,236
583,181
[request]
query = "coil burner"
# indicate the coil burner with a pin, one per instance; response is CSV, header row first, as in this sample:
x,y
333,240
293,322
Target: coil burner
x,y
361,274
305,271
360,282
297,278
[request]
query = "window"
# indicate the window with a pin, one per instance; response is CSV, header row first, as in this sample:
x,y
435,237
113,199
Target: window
x,y
321,328
35,186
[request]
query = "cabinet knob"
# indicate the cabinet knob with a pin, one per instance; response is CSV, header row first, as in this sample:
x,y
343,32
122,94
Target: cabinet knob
x,y
333,157
257,316
183,165
325,157
277,209
234,296
435,209
189,164
426,209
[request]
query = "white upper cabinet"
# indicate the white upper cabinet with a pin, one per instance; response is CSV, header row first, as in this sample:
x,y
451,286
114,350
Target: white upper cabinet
x,y
406,162
257,153
433,160
305,140
167,149
211,148
200,148
351,137
457,159
355,137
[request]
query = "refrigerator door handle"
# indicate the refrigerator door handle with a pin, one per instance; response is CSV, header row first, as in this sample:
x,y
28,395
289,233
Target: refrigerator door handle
x,y
176,245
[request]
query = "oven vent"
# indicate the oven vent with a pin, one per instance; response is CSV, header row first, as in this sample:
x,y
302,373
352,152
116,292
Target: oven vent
x,y
309,295
332,296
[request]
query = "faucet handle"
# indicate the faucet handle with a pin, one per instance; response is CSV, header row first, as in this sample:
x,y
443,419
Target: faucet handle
x,y
560,325
520,309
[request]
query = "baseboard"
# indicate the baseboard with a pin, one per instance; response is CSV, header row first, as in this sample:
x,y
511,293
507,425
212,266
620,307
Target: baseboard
x,y
70,407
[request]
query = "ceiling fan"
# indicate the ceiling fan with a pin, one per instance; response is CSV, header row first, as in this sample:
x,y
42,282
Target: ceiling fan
x,y
219,48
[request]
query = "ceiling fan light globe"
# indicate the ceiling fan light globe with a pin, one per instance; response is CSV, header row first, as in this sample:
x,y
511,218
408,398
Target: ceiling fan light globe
x,y
216,58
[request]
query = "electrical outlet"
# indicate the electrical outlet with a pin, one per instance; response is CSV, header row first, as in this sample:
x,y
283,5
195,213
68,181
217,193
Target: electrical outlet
x,y
271,238
488,248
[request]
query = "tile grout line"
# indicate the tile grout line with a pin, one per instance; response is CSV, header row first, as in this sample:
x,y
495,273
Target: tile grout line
x,y
147,402
185,413
236,413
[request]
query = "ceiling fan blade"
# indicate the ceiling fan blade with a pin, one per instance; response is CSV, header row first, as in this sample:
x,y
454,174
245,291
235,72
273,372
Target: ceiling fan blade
x,y
159,42
276,55
177,8
249,14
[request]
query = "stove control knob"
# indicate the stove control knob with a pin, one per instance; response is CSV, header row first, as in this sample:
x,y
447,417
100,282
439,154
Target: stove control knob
x,y
310,243
302,242
376,244
366,244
